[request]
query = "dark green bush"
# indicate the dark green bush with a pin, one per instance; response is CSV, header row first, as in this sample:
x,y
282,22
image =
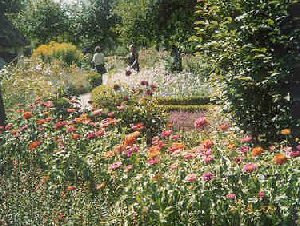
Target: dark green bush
x,y
187,108
251,58
193,100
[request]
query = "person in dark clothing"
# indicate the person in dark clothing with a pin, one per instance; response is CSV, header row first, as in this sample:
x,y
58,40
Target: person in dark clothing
x,y
133,59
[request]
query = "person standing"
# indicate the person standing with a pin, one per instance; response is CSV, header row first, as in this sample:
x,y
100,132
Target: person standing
x,y
98,61
133,59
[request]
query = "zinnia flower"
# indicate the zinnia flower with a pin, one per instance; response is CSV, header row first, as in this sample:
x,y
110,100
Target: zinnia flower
x,y
153,161
207,176
27,115
115,165
231,196
261,194
208,159
35,144
280,159
71,110
250,167
207,144
153,152
244,149
71,188
246,139
285,132
75,136
257,151
200,123
191,177
166,133
224,126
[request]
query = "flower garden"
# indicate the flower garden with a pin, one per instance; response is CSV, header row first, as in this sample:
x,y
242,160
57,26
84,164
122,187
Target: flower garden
x,y
205,134
123,164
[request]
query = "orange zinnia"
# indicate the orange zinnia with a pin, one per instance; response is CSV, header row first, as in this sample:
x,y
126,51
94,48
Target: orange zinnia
x,y
257,151
286,132
280,159
176,147
41,121
153,152
27,115
33,145
75,136
207,144
130,139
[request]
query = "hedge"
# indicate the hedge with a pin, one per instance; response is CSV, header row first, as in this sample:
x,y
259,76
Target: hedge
x,y
193,100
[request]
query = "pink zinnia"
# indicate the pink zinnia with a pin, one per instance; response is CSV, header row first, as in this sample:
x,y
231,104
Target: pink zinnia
x,y
200,123
207,176
71,129
191,177
91,135
246,139
261,194
174,166
244,149
294,154
250,167
208,159
153,161
115,165
231,196
189,156
166,133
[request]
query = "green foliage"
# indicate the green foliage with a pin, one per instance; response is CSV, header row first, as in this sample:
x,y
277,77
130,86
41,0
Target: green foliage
x,y
250,74
11,6
155,22
43,21
92,22
136,107
106,97
185,107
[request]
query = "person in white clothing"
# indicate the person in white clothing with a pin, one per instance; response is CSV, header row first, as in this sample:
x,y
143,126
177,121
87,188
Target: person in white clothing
x,y
98,60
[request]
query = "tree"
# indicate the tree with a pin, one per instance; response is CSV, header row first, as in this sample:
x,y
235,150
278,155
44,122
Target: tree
x,y
43,21
11,6
92,23
148,22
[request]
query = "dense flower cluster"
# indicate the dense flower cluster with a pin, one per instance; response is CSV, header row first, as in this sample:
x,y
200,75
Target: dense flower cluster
x,y
85,157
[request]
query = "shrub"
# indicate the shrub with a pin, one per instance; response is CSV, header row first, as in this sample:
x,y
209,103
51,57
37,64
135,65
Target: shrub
x,y
137,107
107,97
65,52
187,108
249,75
193,100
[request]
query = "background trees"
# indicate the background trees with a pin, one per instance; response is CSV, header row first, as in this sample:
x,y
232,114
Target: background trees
x,y
42,21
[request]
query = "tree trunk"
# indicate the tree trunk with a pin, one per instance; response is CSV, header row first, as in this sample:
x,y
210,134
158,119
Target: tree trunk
x,y
2,110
